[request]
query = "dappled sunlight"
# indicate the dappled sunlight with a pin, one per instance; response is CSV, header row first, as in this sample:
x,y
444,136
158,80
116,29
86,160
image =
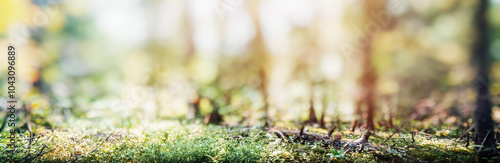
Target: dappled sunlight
x,y
250,80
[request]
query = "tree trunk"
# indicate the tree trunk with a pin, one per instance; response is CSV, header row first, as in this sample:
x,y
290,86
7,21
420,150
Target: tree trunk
x,y
484,123
358,113
263,89
323,114
214,117
260,53
194,107
312,113
369,78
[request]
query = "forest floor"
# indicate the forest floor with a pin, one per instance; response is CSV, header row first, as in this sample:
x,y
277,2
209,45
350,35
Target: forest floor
x,y
176,141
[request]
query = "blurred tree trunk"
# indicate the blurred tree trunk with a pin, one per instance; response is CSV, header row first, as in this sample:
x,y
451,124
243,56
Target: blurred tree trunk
x,y
322,122
358,113
263,89
214,117
259,56
190,54
484,123
368,77
194,107
368,81
312,113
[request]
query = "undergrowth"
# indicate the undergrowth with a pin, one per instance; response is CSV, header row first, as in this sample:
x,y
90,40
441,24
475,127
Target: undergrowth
x,y
200,143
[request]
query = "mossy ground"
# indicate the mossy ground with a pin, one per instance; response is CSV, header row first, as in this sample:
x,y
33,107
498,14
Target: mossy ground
x,y
172,141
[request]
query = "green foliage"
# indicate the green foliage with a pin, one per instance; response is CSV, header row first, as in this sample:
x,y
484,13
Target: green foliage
x,y
336,154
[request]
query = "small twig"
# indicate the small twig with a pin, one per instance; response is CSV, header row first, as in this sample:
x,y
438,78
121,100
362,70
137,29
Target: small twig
x,y
412,137
101,143
426,134
30,141
279,133
387,139
302,130
347,145
347,151
466,132
43,146
330,132
353,125
40,155
94,148
482,144
304,151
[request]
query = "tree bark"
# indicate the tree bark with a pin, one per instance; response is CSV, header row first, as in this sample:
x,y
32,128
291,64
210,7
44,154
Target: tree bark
x,y
368,79
483,120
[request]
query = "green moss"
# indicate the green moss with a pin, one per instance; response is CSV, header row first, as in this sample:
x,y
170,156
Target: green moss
x,y
198,143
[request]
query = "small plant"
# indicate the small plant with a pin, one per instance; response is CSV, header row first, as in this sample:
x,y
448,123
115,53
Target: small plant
x,y
335,154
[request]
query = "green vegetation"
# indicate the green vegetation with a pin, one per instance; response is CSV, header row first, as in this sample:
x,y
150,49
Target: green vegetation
x,y
177,142
250,81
